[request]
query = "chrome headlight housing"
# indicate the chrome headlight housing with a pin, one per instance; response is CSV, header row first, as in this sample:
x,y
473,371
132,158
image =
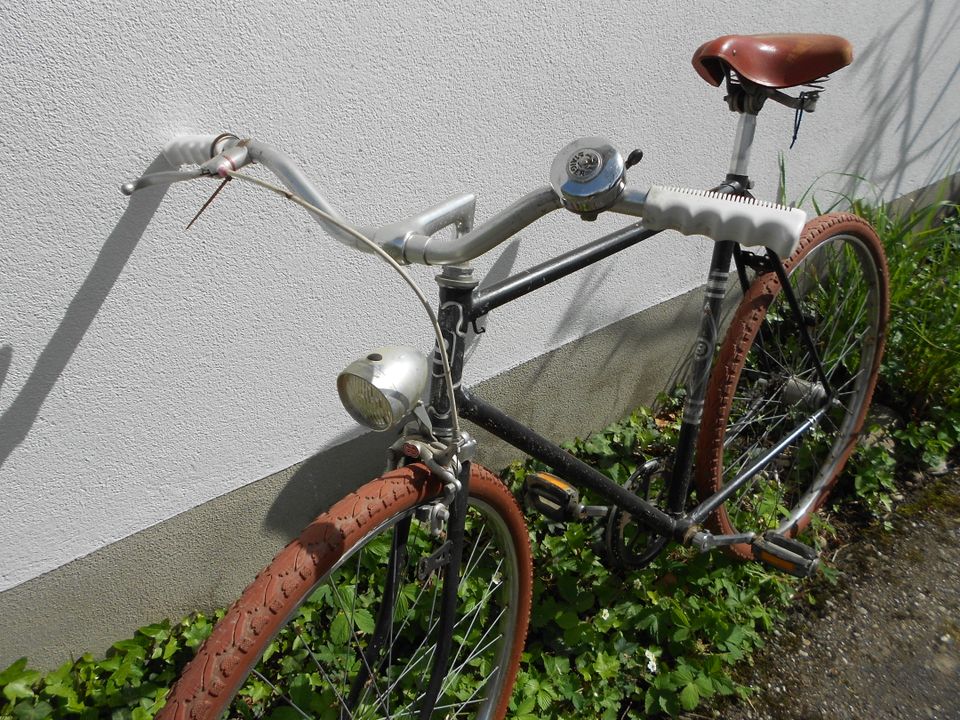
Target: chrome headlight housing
x,y
380,389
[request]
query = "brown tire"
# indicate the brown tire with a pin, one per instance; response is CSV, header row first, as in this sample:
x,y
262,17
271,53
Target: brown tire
x,y
324,591
765,384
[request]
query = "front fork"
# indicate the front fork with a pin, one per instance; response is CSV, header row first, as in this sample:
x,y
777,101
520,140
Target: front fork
x,y
450,555
448,604
454,298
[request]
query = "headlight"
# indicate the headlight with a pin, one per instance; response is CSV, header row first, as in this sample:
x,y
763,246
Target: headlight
x,y
381,389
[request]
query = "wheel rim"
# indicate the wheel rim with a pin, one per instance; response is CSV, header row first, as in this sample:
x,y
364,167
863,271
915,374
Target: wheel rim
x,y
838,285
311,667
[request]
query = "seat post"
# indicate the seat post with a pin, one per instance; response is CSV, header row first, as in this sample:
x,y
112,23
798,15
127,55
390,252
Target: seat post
x,y
746,127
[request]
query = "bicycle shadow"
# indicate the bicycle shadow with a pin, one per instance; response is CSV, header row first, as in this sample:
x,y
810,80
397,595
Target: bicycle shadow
x,y
894,86
19,417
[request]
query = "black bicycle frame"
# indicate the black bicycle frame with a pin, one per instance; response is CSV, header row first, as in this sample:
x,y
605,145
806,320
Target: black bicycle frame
x,y
463,303
476,304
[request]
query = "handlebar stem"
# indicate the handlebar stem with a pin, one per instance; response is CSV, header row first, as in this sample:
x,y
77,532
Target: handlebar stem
x,y
509,221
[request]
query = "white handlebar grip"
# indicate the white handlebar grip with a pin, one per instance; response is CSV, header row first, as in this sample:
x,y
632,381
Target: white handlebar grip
x,y
189,149
744,220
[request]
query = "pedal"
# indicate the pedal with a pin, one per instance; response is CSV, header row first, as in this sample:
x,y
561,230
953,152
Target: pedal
x,y
786,554
552,497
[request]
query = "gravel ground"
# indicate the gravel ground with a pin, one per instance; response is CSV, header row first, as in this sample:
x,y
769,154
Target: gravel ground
x,y
884,642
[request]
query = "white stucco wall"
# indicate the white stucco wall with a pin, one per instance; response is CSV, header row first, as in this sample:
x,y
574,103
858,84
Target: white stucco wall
x,y
146,369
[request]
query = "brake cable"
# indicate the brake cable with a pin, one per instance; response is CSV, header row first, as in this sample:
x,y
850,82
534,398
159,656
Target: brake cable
x,y
377,250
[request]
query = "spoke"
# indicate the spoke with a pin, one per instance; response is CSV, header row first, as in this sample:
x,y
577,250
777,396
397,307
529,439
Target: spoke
x,y
746,452
275,689
428,655
316,662
838,315
432,649
356,591
416,601
741,423
455,669
856,345
763,352
356,638
468,568
741,428
852,378
414,660
469,700
752,412
476,611
843,405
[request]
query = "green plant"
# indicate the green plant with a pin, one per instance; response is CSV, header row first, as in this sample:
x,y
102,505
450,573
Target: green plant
x,y
129,684
871,475
602,643
928,443
921,368
616,644
658,640
920,373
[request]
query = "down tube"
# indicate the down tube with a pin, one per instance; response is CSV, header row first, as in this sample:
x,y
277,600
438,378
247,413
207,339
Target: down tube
x,y
566,465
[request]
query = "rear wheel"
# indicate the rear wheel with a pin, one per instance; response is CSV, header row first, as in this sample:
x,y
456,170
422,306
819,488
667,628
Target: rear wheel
x,y
299,643
765,383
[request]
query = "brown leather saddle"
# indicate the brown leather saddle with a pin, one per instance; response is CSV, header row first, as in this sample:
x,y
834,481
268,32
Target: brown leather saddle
x,y
772,61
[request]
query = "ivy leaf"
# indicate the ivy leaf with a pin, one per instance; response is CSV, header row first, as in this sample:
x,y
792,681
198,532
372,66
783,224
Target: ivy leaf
x,y
196,634
40,711
20,688
689,696
364,621
13,671
340,629
567,619
158,632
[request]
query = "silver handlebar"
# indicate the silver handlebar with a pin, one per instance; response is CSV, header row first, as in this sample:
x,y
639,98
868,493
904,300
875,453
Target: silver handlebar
x,y
588,177
413,240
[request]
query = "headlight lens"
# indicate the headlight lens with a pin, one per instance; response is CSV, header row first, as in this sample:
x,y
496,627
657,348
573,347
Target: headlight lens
x,y
380,389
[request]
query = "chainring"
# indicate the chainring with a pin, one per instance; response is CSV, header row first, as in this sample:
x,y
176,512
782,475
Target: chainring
x,y
627,544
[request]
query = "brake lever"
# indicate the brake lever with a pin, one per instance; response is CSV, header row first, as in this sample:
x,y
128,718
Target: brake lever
x,y
165,177
219,165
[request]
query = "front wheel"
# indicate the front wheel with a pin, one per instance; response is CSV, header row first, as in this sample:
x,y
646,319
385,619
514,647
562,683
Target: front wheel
x,y
328,630
765,383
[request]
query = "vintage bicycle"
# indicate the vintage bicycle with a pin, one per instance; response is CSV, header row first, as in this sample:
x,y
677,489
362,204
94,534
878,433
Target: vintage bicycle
x,y
410,597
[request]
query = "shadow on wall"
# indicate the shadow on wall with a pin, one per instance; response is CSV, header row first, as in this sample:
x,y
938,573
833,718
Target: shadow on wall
x,y
897,122
19,417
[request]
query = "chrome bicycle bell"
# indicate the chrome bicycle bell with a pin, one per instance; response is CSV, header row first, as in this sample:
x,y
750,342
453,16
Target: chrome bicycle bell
x,y
588,175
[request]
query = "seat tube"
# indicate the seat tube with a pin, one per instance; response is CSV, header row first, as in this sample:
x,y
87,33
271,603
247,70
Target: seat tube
x,y
742,144
703,352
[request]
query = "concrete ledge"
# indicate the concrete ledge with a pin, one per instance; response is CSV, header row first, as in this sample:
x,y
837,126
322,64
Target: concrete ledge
x,y
202,559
